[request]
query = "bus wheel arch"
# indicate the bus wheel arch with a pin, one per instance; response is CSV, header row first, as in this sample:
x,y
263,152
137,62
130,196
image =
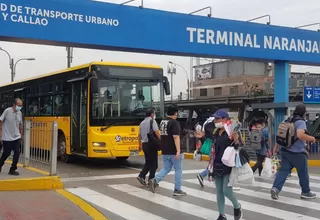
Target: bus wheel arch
x,y
62,147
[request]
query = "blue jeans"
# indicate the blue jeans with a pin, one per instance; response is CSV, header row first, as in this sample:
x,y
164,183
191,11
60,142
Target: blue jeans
x,y
170,161
204,173
288,162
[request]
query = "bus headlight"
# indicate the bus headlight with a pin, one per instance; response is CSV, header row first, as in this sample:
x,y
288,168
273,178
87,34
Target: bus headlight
x,y
99,144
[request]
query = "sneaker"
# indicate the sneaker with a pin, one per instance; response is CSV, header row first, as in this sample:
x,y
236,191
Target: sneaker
x,y
200,178
141,180
222,217
309,195
179,193
14,173
274,193
152,185
238,214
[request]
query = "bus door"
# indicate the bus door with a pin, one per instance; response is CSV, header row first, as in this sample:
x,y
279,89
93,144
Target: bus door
x,y
79,117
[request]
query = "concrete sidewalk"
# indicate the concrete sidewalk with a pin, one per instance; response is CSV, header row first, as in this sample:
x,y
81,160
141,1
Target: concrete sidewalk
x,y
34,195
28,179
38,205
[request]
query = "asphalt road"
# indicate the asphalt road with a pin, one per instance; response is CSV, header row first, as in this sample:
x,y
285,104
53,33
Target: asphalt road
x,y
111,186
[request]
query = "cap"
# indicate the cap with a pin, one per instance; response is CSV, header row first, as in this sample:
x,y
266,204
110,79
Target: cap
x,y
221,114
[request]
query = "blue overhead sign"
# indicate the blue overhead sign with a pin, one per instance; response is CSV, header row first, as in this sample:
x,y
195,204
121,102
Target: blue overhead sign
x,y
119,27
311,95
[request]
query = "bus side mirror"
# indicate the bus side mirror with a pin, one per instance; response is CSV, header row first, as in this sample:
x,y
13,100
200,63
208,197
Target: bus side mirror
x,y
166,86
94,87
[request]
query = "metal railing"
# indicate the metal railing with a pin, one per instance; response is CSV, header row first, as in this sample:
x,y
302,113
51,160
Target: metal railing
x,y
39,146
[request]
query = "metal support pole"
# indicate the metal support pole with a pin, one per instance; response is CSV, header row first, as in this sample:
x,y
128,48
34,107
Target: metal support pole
x,y
171,86
269,17
69,56
26,143
54,149
12,69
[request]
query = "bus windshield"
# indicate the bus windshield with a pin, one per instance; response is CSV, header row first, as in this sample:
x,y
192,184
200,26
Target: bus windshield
x,y
124,99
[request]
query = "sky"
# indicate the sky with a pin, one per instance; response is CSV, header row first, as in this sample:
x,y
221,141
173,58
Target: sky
x,y
290,13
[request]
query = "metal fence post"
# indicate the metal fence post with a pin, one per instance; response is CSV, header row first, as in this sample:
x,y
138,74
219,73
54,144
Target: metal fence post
x,y
26,143
53,150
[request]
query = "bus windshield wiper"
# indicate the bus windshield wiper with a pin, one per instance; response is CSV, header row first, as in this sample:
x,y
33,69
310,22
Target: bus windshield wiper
x,y
116,124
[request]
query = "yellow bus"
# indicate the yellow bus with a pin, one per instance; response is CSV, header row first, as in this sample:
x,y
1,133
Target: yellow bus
x,y
98,106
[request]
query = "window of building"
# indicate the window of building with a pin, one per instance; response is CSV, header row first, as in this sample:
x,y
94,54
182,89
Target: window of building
x,y
217,91
203,92
233,90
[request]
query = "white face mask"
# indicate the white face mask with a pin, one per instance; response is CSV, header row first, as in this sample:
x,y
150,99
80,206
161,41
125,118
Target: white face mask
x,y
218,125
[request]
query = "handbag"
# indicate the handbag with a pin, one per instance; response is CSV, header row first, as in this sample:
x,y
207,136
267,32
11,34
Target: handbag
x,y
206,147
244,156
153,140
229,156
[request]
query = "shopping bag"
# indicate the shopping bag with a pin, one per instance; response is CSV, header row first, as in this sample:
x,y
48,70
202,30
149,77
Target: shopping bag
x,y
238,161
241,176
244,156
206,147
267,168
229,157
275,165
197,155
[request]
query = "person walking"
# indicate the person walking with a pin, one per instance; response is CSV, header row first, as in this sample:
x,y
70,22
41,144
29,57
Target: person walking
x,y
11,131
259,125
172,152
295,156
208,129
221,172
149,149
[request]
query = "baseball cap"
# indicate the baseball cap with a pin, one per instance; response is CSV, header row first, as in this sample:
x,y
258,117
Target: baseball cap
x,y
221,114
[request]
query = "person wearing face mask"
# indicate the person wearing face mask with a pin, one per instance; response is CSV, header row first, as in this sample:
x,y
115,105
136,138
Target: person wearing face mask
x,y
11,131
221,172
295,156
259,125
150,151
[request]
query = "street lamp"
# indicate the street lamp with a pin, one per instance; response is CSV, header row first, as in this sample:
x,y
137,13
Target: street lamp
x,y
188,81
13,64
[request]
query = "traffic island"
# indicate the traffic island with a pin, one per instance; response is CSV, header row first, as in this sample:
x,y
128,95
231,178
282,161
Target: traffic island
x,y
27,180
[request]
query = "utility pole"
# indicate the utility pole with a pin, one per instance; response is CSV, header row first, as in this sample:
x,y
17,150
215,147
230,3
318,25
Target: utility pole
x,y
69,56
171,71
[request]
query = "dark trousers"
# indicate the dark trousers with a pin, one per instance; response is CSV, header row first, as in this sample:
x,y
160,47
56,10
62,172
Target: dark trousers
x,y
258,165
151,164
288,162
9,146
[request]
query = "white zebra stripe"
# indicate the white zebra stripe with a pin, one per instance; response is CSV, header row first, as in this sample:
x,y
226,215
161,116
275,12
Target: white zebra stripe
x,y
180,206
113,205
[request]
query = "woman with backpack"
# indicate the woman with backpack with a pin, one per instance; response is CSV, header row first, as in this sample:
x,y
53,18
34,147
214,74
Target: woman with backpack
x,y
257,128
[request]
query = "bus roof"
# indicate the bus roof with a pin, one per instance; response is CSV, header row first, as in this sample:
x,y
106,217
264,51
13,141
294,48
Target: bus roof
x,y
83,66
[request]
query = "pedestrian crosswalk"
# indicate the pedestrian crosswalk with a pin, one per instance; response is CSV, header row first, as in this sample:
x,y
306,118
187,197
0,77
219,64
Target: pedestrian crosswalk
x,y
126,199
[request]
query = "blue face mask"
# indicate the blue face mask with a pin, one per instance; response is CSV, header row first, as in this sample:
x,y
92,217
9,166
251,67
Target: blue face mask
x,y
18,108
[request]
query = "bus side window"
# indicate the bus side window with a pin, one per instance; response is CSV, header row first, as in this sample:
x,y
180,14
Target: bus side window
x,y
33,107
46,105
60,105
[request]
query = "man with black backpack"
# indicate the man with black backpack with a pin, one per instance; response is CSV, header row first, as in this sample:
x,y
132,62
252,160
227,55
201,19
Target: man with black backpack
x,y
292,137
148,135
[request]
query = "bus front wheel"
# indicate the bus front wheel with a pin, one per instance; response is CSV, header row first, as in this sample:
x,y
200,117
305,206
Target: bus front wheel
x,y
122,158
62,149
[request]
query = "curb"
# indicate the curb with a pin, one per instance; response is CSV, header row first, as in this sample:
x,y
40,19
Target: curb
x,y
36,183
311,163
86,207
